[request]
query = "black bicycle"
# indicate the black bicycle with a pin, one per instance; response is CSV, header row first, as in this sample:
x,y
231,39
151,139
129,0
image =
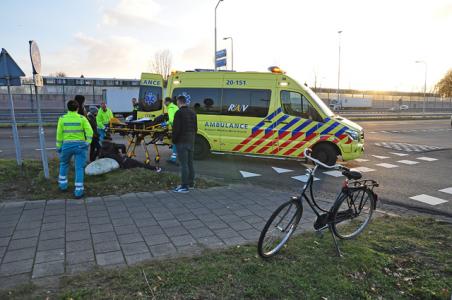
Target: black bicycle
x,y
347,218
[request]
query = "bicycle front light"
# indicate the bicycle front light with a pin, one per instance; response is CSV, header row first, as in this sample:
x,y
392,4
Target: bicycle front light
x,y
353,134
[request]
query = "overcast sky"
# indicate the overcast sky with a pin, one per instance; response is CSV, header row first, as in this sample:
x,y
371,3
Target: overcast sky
x,y
381,40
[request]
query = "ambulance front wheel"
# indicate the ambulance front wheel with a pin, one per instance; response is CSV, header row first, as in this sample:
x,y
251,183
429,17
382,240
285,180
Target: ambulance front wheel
x,y
326,153
202,148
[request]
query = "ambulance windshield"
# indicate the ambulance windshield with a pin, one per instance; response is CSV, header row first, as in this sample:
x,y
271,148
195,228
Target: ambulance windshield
x,y
323,107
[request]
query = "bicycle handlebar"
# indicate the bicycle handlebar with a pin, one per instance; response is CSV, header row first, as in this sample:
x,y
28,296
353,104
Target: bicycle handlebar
x,y
307,154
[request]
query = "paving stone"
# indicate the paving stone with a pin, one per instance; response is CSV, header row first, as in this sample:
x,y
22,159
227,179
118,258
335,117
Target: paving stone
x,y
137,258
126,229
20,254
163,250
77,246
156,239
48,269
193,224
51,244
17,267
250,234
201,232
104,237
211,242
235,240
145,222
23,234
163,216
2,252
226,233
101,228
130,238
23,243
175,231
134,248
99,220
107,246
80,257
13,281
49,255
78,235
150,230
52,234
77,226
240,225
110,258
7,232
122,221
52,226
169,223
183,240
216,225
53,219
78,268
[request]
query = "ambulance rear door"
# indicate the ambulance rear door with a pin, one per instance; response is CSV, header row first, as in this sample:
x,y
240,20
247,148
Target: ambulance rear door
x,y
150,98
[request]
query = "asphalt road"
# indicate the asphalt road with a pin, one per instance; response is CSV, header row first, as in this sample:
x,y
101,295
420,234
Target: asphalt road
x,y
408,159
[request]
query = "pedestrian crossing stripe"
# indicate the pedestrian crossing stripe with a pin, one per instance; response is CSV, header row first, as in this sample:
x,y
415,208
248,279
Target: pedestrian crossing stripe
x,y
387,166
447,190
281,170
248,174
428,199
408,162
304,178
426,158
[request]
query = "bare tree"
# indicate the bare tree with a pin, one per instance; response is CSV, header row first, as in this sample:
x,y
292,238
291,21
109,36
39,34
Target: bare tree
x,y
444,86
161,63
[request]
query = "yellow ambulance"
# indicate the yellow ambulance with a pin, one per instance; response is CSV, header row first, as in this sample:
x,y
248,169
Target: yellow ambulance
x,y
256,113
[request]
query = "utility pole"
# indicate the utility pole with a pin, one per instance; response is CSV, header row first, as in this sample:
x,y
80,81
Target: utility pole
x,y
339,66
215,54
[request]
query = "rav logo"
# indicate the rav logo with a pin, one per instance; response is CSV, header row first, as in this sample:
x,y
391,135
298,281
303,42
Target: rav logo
x,y
238,107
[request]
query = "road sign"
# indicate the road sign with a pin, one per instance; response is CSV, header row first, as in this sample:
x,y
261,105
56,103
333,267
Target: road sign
x,y
10,74
36,64
220,54
35,57
220,63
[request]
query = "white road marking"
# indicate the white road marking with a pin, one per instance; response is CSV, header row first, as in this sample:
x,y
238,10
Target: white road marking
x,y
387,166
372,132
408,162
281,170
361,160
399,154
380,157
46,149
334,173
447,190
1,151
383,131
304,178
363,169
427,158
249,174
428,199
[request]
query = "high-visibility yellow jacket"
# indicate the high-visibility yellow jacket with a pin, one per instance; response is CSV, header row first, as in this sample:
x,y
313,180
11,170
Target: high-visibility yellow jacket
x,y
73,127
172,108
103,117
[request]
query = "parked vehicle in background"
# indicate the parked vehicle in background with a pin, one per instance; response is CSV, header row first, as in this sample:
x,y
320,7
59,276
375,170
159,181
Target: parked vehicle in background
x,y
399,108
450,121
119,100
404,107
350,103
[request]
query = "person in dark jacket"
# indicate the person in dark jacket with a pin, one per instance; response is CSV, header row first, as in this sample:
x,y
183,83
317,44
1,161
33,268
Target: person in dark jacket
x,y
185,126
81,104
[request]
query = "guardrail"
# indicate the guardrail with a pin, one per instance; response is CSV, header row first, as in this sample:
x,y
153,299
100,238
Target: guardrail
x,y
52,117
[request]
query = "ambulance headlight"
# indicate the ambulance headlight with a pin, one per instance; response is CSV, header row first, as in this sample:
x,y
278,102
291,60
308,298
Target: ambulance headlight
x,y
353,134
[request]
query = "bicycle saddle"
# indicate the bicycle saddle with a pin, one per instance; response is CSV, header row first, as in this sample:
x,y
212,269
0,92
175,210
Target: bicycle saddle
x,y
352,174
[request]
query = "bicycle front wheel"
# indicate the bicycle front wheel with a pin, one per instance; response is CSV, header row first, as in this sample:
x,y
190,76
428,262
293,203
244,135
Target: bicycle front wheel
x,y
279,228
352,213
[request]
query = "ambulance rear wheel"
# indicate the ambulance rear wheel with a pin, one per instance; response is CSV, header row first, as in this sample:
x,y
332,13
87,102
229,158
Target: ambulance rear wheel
x,y
325,153
202,148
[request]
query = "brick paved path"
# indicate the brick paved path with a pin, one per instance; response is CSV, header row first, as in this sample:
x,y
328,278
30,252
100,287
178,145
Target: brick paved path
x,y
41,240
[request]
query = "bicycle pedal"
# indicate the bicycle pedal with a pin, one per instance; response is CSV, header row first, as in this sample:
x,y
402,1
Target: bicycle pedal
x,y
319,233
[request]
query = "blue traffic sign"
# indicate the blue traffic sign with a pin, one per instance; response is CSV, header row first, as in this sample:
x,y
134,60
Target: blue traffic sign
x,y
220,63
220,54
9,70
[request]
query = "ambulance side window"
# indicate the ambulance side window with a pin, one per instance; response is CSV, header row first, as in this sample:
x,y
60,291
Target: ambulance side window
x,y
296,104
201,100
245,102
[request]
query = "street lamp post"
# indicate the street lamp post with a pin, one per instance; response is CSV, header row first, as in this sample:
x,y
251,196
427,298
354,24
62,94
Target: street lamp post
x,y
339,66
425,82
215,54
232,51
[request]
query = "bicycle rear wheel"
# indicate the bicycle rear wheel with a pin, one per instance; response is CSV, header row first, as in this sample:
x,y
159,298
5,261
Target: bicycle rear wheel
x,y
279,228
352,213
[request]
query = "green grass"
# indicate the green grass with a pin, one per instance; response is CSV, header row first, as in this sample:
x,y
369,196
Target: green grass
x,y
28,182
396,258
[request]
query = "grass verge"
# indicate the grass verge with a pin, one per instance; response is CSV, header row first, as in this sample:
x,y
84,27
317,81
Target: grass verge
x,y
397,258
28,182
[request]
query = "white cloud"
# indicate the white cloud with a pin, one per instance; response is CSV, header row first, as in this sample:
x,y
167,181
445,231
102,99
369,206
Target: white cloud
x,y
132,12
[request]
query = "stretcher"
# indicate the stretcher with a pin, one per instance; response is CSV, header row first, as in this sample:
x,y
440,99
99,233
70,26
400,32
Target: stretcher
x,y
143,132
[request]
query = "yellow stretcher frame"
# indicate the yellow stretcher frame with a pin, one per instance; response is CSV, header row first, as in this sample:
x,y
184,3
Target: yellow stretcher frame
x,y
136,135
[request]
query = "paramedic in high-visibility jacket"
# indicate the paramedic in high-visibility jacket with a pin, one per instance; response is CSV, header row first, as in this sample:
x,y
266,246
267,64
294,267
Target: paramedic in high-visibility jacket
x,y
103,119
74,134
171,108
